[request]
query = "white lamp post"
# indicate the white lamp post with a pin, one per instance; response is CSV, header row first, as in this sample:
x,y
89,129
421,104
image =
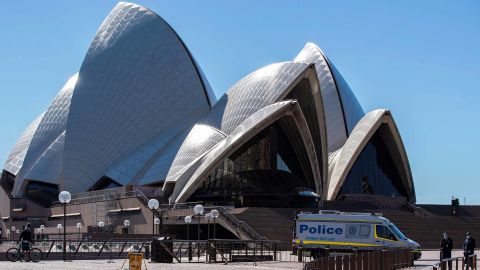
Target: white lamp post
x,y
153,204
208,217
188,220
64,197
8,234
215,215
198,209
42,229
79,227
126,223
156,221
13,232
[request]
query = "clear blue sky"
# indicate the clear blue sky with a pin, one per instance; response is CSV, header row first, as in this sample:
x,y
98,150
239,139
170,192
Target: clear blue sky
x,y
418,58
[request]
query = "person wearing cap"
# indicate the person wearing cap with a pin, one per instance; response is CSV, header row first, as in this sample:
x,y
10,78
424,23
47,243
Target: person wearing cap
x,y
446,246
469,249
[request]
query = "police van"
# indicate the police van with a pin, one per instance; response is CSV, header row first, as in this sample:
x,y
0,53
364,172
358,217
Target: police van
x,y
346,232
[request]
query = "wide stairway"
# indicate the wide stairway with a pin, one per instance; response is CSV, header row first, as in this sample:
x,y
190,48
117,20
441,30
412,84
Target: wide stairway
x,y
277,223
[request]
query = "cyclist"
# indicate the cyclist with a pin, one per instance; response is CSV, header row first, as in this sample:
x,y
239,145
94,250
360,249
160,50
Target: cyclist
x,y
25,240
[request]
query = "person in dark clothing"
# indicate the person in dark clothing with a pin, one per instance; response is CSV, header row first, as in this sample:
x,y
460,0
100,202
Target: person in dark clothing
x,y
26,238
446,246
469,249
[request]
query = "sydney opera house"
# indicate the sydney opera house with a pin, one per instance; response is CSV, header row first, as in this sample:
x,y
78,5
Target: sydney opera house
x,y
140,115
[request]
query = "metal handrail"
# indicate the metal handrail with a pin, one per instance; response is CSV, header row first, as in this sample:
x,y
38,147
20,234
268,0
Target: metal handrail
x,y
238,224
419,211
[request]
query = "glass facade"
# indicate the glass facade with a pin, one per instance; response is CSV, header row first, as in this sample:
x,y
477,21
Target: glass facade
x,y
264,172
374,172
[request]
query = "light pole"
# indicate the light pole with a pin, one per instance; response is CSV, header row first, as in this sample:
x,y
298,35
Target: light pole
x,y
156,221
188,220
198,209
153,204
79,227
59,227
8,234
64,197
126,223
215,215
13,232
42,229
208,218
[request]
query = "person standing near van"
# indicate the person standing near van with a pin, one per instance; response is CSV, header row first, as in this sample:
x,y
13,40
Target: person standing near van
x,y
469,249
446,246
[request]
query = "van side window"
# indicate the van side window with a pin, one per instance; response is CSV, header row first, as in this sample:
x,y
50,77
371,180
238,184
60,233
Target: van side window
x,y
364,231
385,233
357,231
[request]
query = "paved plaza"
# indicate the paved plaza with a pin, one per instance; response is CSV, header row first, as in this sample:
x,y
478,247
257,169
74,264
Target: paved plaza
x,y
428,258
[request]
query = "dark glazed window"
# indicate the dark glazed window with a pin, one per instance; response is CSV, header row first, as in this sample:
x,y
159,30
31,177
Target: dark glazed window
x,y
374,172
264,172
42,193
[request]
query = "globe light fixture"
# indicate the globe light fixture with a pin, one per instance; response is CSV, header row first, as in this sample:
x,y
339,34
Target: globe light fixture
x,y
153,204
198,209
64,197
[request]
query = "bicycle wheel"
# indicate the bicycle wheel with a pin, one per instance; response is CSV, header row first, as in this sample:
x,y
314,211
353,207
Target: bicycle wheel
x,y
35,255
13,254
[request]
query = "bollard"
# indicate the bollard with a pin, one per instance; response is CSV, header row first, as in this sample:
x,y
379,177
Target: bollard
x,y
147,252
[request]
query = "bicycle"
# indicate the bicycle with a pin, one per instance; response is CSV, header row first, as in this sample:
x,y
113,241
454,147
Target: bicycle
x,y
15,254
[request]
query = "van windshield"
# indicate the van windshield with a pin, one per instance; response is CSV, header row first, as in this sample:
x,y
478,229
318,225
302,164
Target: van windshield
x,y
397,231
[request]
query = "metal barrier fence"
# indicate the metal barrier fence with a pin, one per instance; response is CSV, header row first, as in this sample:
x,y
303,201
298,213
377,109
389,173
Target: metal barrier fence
x,y
83,250
457,263
370,260
224,251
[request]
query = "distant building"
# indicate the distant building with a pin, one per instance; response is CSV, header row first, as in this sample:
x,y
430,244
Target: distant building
x,y
140,112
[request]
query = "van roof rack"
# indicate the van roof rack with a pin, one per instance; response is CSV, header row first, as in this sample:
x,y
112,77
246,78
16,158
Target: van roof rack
x,y
336,212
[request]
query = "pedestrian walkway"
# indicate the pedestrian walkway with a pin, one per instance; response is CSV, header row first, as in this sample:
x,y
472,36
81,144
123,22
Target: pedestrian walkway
x,y
428,258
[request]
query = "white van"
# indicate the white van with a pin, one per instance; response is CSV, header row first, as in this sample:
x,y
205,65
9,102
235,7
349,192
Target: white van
x,y
345,231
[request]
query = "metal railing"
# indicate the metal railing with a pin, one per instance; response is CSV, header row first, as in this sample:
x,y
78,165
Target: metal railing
x,y
78,249
237,224
222,251
371,260
419,211
457,263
